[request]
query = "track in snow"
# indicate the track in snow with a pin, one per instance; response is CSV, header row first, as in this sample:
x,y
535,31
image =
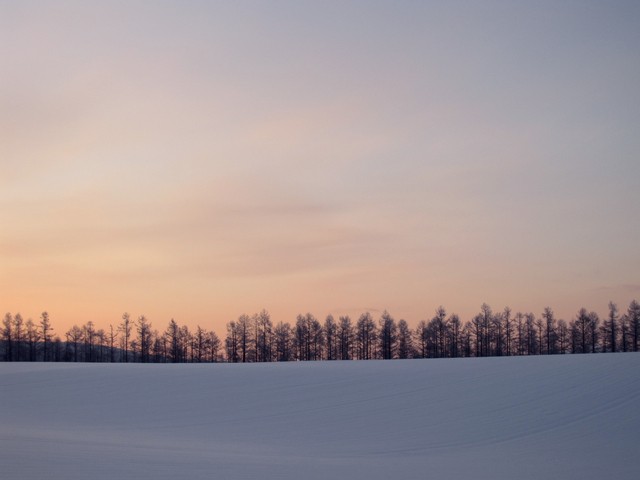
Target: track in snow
x,y
521,417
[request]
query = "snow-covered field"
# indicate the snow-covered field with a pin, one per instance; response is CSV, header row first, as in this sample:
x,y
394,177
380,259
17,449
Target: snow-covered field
x,y
560,417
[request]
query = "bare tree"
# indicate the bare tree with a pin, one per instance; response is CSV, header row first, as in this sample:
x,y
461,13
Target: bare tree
x,y
520,329
47,331
7,336
465,340
143,329
283,341
387,336
438,332
498,334
263,337
345,338
455,332
316,336
405,342
486,322
563,337
244,330
188,344
580,332
200,344
483,326
176,349
595,321
331,336
56,349
113,335
624,333
540,327
32,337
89,340
366,336
550,330
308,338
508,330
422,339
610,330
477,332
232,342
100,342
125,329
213,344
18,337
633,316
74,338
530,334
158,343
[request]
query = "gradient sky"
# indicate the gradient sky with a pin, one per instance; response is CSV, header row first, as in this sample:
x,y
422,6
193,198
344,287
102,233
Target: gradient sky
x,y
200,160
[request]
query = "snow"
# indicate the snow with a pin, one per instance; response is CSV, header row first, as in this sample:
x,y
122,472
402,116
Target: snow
x,y
573,416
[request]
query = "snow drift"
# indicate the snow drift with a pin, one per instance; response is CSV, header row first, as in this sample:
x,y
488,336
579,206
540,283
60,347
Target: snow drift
x,y
494,418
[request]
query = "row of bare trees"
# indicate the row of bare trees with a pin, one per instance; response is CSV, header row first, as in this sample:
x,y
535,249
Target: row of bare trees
x,y
256,338
489,333
129,341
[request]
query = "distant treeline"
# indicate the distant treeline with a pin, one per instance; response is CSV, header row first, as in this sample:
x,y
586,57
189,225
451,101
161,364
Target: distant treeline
x,y
256,339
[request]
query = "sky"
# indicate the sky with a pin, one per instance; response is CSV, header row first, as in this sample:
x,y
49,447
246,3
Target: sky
x,y
200,160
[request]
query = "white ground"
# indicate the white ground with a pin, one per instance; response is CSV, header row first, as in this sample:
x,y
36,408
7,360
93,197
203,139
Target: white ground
x,y
564,417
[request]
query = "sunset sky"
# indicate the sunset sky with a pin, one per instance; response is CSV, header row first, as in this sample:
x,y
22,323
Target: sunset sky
x,y
199,160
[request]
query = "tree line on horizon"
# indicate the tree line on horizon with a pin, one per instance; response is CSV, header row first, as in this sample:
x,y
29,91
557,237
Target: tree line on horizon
x,y
256,338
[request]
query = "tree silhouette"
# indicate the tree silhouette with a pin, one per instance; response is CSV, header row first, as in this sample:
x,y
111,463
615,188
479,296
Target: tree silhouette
x,y
45,325
366,335
125,330
331,336
283,340
633,316
254,338
263,337
610,330
143,329
550,330
405,342
74,338
388,336
7,337
345,338
232,342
